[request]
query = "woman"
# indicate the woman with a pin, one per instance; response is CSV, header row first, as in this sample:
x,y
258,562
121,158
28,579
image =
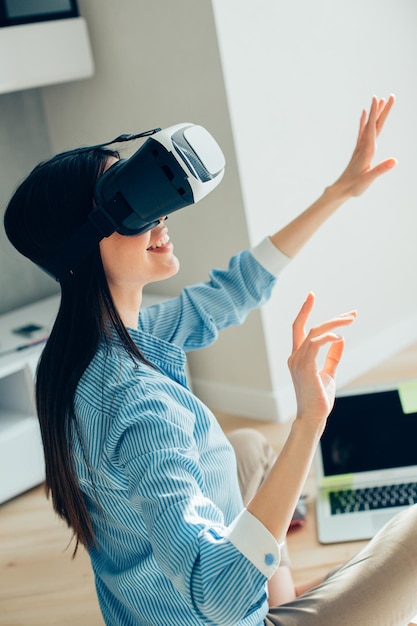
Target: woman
x,y
139,467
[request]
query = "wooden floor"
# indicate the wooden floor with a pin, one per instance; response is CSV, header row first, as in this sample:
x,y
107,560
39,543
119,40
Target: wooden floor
x,y
40,585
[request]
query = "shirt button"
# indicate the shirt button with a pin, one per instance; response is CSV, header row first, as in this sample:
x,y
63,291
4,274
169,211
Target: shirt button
x,y
269,559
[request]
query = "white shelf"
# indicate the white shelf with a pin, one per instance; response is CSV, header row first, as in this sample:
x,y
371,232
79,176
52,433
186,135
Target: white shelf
x,y
44,53
11,423
21,454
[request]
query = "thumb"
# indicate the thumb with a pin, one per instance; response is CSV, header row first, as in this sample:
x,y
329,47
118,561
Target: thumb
x,y
382,167
375,172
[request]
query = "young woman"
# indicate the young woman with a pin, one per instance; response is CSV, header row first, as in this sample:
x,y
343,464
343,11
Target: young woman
x,y
138,466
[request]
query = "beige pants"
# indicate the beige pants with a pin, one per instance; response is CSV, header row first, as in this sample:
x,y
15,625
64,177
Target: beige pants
x,y
378,587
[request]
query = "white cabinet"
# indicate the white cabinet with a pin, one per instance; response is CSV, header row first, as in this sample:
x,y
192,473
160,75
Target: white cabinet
x,y
21,454
44,53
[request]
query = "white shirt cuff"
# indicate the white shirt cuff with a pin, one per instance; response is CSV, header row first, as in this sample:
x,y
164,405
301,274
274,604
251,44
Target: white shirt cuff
x,y
255,542
270,257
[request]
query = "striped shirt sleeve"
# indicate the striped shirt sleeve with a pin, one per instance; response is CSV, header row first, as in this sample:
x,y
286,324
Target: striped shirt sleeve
x,y
270,257
194,319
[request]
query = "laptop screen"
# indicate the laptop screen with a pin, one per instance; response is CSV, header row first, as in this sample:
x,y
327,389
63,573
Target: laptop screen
x,y
368,432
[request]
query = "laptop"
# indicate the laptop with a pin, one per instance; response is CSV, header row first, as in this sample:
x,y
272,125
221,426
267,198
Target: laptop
x,y
366,462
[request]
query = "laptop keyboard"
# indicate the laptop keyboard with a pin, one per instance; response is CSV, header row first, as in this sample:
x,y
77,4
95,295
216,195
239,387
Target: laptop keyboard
x,y
383,496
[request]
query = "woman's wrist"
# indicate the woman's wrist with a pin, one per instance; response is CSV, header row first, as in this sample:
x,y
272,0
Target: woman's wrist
x,y
309,429
337,193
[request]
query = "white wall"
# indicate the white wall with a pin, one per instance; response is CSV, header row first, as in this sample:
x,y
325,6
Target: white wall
x,y
23,143
157,63
281,86
297,74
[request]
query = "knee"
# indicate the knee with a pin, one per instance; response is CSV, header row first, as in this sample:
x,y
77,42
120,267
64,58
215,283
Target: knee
x,y
249,443
407,519
401,530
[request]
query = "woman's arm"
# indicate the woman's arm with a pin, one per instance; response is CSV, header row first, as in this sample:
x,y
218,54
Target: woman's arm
x,y
276,499
356,178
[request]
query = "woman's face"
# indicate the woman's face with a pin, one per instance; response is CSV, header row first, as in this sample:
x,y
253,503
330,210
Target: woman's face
x,y
140,259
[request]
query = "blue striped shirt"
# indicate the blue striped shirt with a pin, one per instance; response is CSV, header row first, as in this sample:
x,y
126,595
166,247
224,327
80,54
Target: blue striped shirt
x,y
173,541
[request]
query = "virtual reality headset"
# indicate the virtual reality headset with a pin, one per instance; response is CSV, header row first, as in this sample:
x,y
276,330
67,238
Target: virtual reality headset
x,y
174,168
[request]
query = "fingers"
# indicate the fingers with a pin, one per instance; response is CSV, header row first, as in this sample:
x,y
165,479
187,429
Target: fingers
x,y
334,356
378,114
304,360
341,320
299,325
368,122
362,123
324,333
373,112
383,112
312,346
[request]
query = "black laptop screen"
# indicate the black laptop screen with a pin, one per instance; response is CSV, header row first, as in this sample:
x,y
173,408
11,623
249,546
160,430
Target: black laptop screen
x,y
369,432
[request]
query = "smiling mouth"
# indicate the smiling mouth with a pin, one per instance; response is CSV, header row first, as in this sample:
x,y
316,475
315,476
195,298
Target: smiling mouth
x,y
160,243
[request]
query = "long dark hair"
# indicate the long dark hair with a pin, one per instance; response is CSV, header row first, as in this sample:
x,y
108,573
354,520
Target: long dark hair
x,y
48,206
